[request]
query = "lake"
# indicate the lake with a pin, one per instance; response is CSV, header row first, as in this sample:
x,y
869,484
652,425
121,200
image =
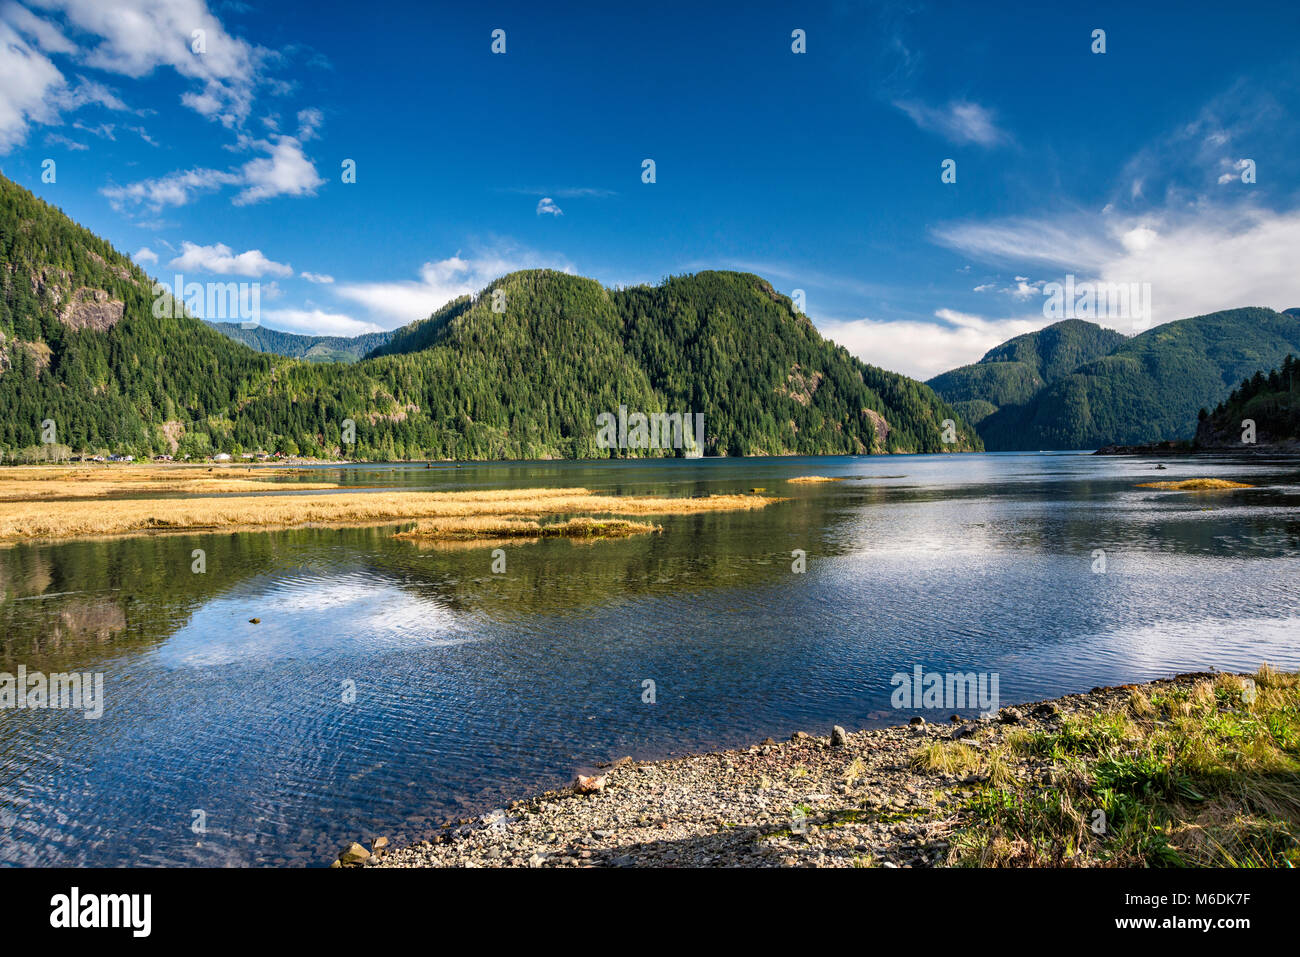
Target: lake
x,y
390,686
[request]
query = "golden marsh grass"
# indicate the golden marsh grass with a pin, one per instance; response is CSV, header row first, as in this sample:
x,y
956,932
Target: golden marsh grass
x,y
20,483
49,516
1195,485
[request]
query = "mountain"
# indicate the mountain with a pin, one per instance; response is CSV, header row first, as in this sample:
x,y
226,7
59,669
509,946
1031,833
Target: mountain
x,y
1012,373
530,380
81,351
1266,405
309,348
1146,389
521,370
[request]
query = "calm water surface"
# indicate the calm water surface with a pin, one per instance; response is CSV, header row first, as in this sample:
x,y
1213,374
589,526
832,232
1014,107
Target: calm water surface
x,y
472,688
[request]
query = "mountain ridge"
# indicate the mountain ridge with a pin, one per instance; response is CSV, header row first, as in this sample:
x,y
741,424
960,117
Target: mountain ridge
x,y
82,347
1147,389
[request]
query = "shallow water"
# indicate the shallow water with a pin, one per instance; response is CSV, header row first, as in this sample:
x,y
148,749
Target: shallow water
x,y
472,687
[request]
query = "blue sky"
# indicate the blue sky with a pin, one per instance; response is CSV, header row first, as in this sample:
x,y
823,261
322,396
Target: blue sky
x,y
820,171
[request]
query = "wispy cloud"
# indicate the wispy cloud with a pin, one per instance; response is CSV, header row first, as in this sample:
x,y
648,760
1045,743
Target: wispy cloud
x,y
960,121
316,322
285,170
546,207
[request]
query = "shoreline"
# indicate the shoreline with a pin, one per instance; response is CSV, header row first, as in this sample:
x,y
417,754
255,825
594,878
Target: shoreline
x,y
911,795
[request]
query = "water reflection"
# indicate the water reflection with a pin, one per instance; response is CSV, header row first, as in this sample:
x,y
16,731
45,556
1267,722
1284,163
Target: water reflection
x,y
467,686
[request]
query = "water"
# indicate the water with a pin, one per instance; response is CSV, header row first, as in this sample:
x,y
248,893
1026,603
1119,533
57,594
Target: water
x,y
472,688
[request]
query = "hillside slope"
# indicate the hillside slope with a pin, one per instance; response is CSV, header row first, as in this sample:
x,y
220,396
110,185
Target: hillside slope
x,y
81,349
1147,389
1012,373
80,346
1270,402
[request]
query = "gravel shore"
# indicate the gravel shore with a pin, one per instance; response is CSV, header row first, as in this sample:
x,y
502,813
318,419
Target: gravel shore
x,y
830,800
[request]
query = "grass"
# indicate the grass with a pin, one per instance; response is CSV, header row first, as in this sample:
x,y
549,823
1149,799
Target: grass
x,y
46,516
1206,774
476,529
19,484
1195,485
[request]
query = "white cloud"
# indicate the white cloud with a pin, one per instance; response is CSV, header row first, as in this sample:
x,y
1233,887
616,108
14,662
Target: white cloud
x,y
127,37
145,255
27,93
1197,261
924,349
286,171
316,322
174,189
316,277
546,205
223,261
135,37
309,123
960,121
58,139
403,301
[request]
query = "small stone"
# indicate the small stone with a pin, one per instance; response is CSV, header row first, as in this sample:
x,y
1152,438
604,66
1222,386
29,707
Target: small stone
x,y
800,736
839,737
254,621
354,855
918,721
591,785
1010,716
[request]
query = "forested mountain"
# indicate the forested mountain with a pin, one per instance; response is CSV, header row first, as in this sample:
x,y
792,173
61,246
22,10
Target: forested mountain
x,y
80,348
310,348
1271,402
1012,373
521,370
1146,389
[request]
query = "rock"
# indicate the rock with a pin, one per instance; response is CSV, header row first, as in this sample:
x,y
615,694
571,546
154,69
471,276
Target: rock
x,y
956,719
839,737
800,736
591,785
537,860
379,846
1046,710
1010,716
767,741
254,621
918,721
354,855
